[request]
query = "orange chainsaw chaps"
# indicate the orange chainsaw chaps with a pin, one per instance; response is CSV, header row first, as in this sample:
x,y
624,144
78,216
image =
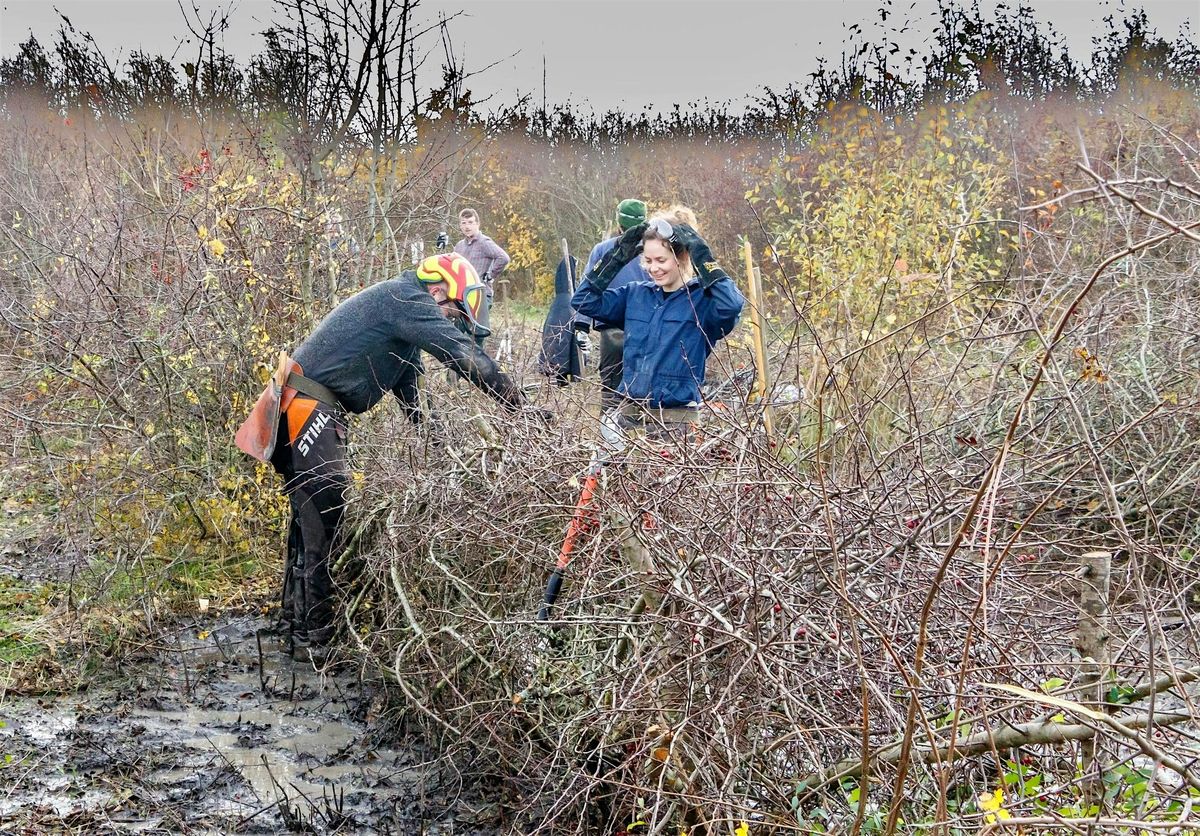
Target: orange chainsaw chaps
x,y
256,436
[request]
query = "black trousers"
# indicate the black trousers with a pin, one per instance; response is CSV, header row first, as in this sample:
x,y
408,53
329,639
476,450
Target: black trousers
x,y
310,455
612,347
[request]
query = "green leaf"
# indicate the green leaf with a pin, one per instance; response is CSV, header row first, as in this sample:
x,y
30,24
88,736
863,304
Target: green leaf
x,y
1119,695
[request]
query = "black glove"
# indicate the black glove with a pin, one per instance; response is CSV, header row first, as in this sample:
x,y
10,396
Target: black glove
x,y
702,258
626,250
539,416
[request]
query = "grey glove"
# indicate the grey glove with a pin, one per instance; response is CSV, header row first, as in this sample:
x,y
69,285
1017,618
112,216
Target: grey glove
x,y
702,258
626,250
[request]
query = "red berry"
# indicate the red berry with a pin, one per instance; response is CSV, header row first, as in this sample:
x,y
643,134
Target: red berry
x,y
911,523
801,632
778,608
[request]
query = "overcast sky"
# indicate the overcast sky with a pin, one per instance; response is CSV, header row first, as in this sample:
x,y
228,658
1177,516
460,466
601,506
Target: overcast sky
x,y
602,54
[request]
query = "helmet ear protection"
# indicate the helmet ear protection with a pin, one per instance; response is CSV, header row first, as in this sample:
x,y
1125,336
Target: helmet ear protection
x,y
473,299
462,282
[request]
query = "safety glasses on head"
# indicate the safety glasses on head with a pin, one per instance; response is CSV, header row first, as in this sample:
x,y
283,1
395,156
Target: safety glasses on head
x,y
462,282
662,228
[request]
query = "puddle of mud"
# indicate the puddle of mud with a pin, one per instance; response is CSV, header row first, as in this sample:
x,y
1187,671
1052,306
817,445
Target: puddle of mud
x,y
203,740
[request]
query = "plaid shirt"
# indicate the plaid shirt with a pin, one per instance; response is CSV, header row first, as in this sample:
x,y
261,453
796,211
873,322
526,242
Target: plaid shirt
x,y
485,255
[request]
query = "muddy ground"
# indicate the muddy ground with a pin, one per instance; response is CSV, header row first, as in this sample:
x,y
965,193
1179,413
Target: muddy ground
x,y
211,734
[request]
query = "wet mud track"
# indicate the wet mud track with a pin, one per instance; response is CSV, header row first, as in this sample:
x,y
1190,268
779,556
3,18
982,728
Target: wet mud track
x,y
202,738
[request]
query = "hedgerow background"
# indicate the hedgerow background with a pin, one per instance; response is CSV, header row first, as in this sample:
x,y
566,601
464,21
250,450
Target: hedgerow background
x,y
980,271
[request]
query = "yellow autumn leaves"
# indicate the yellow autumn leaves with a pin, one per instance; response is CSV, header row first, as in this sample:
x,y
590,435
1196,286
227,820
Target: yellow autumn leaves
x,y
1091,369
992,805
215,246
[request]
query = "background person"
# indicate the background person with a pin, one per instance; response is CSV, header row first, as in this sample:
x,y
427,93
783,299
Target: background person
x,y
487,257
630,213
671,322
561,357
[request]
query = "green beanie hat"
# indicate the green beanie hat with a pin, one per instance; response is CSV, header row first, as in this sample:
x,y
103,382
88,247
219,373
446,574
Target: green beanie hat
x,y
630,212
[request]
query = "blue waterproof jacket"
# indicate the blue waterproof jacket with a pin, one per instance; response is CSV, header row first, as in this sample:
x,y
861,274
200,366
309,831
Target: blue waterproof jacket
x,y
668,336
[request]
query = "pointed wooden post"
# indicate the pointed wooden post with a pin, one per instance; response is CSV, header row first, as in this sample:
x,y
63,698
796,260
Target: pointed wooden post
x,y
1091,640
762,385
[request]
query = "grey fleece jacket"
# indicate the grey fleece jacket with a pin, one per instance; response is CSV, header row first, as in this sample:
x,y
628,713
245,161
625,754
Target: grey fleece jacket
x,y
371,344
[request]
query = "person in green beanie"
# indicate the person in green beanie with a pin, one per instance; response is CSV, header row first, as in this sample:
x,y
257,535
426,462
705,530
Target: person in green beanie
x,y
630,213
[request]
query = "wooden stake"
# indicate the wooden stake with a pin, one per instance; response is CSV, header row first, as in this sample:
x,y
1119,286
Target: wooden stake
x,y
1091,640
566,254
761,383
567,258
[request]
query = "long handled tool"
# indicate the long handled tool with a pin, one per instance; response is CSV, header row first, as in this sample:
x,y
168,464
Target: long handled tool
x,y
611,445
578,521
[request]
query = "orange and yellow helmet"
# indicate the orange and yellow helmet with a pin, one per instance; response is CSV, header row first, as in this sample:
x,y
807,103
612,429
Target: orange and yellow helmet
x,y
462,282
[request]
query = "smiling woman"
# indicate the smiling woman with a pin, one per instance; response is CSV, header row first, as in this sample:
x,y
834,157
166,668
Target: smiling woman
x,y
671,323
664,257
666,268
